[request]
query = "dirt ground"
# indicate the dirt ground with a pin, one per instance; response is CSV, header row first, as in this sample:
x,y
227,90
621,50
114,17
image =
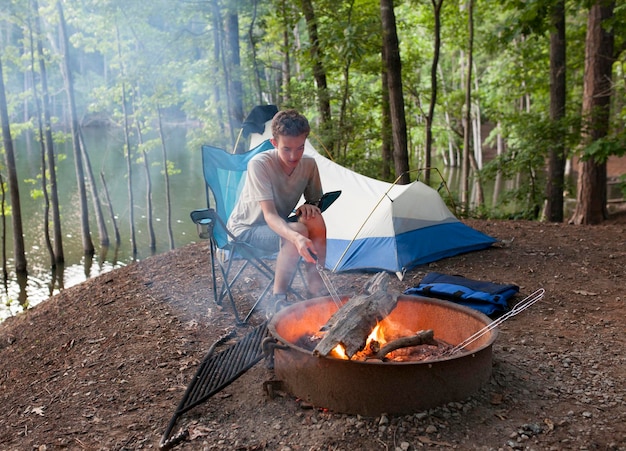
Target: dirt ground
x,y
103,365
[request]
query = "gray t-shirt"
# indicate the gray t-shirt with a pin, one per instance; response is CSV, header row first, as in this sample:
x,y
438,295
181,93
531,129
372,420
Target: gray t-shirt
x,y
266,180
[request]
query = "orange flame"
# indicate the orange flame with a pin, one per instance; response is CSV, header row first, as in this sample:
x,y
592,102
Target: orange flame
x,y
339,352
377,334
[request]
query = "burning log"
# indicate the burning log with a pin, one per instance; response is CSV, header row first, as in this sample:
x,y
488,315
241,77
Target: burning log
x,y
353,322
423,337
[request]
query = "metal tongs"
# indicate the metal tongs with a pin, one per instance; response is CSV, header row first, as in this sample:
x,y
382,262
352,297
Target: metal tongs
x,y
329,285
519,307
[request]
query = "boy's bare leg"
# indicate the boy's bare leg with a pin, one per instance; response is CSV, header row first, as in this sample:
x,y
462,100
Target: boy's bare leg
x,y
288,257
286,262
316,228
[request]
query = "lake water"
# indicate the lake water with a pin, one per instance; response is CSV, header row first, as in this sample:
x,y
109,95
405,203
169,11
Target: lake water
x,y
105,148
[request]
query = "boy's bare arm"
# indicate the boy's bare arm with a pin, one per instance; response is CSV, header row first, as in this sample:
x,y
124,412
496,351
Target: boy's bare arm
x,y
285,230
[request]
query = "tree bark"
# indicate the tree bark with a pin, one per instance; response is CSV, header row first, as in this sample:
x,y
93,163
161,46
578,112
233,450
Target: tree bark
x,y
558,153
597,91
284,82
217,52
393,65
253,53
95,198
5,271
111,212
14,192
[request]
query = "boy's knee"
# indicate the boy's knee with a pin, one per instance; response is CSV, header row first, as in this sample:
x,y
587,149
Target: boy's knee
x,y
315,223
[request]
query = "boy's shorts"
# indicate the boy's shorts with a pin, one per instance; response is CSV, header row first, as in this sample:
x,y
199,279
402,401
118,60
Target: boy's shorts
x,y
261,237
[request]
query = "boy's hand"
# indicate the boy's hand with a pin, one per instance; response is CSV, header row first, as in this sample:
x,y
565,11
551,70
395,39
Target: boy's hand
x,y
308,211
306,249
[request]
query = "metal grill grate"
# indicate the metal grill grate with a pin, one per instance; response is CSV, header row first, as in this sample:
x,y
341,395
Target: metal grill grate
x,y
216,372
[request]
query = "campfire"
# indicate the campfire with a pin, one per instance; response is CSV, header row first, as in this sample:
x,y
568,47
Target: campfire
x,y
349,333
379,352
388,341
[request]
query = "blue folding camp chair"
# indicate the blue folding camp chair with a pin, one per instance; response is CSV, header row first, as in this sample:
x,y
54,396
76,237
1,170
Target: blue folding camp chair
x,y
224,174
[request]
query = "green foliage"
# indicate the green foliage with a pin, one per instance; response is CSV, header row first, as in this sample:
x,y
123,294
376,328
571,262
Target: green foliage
x,y
172,169
601,149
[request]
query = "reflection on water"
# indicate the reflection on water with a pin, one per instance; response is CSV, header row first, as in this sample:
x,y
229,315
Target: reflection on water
x,y
23,292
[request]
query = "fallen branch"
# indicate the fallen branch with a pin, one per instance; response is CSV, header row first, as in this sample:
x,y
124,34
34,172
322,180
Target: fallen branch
x,y
423,337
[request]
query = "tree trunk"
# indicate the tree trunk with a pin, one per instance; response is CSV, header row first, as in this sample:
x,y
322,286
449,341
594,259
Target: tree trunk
x,y
387,136
95,198
3,198
217,52
284,83
111,212
597,90
452,159
88,248
255,63
128,153
467,117
319,74
433,89
59,256
393,65
146,168
477,135
558,92
168,201
497,186
42,146
235,89
14,192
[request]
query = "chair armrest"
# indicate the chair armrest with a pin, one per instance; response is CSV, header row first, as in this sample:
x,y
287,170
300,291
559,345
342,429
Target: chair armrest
x,y
325,202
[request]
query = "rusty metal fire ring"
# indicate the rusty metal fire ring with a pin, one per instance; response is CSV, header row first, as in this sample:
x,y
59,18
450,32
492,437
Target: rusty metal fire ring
x,y
373,388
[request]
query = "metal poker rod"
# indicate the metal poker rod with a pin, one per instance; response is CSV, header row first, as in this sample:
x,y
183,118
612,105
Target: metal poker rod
x,y
519,307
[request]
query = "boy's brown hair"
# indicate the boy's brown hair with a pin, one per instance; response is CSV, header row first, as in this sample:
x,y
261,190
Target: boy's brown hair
x,y
289,123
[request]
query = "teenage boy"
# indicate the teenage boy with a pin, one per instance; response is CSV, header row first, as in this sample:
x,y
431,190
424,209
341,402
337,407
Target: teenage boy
x,y
275,182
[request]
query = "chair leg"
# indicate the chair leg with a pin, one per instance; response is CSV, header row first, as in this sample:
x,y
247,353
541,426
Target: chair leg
x,y
226,288
259,300
260,266
212,248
